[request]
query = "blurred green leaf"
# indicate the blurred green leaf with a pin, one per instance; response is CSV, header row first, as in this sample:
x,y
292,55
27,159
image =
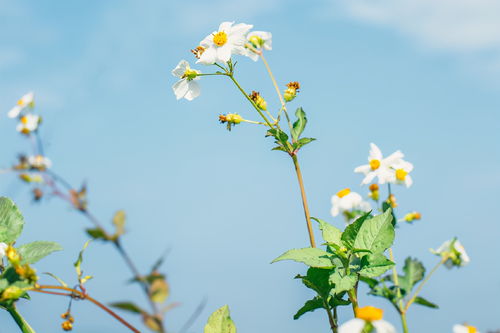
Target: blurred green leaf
x,y
127,306
32,252
97,233
414,272
11,221
424,302
119,220
220,322
64,284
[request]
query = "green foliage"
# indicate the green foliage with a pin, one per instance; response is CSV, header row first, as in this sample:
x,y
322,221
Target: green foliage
x,y
220,322
330,233
312,257
309,306
317,279
11,221
97,233
32,252
342,281
374,265
375,234
424,302
299,125
351,231
127,306
414,272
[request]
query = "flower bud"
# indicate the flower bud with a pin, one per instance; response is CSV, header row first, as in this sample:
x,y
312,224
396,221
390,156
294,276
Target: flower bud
x,y
231,119
258,100
11,293
291,92
375,195
374,187
13,256
391,200
410,217
67,325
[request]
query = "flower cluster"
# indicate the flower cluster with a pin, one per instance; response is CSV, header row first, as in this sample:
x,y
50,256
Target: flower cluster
x,y
453,253
28,122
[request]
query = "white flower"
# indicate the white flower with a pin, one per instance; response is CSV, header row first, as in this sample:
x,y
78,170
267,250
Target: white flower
x,y
3,247
221,44
186,87
378,166
400,174
27,100
464,329
454,252
367,316
258,40
345,200
39,162
28,123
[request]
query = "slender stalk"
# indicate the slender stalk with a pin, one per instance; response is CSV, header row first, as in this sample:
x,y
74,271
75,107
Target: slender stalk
x,y
85,296
20,321
331,319
419,289
396,281
403,322
354,300
304,200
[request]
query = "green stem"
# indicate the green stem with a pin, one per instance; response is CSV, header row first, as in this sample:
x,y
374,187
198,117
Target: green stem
x,y
403,322
354,300
20,321
331,318
419,289
396,281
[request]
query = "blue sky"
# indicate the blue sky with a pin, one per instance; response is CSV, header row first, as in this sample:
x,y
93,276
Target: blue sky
x,y
420,76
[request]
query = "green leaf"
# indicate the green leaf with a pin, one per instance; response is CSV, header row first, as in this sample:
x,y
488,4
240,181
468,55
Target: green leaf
x,y
376,234
369,281
302,142
311,256
299,124
32,252
220,322
127,306
329,232
374,265
414,272
78,261
385,207
317,279
97,233
351,231
424,302
11,221
342,282
309,306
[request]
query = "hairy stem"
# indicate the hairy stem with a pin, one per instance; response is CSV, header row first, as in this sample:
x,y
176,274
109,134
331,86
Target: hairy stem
x,y
20,321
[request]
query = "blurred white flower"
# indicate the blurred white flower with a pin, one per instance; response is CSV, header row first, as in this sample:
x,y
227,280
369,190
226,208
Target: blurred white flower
x,y
400,174
366,318
39,162
226,41
258,40
345,200
186,87
378,166
28,123
28,100
464,329
454,252
3,247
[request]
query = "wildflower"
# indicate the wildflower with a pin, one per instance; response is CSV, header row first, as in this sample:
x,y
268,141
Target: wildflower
x,y
454,253
39,162
3,248
231,119
345,201
368,319
291,92
186,87
374,193
401,173
221,44
410,217
258,40
28,100
378,166
259,101
28,123
464,329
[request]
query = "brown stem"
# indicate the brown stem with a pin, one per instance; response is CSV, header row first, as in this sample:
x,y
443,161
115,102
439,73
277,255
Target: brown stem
x,y
79,294
304,200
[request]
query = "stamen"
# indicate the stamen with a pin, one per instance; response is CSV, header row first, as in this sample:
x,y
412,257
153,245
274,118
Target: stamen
x,y
220,38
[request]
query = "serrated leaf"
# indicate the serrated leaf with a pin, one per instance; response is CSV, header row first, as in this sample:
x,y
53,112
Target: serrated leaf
x,y
424,302
376,234
220,322
32,252
312,257
414,272
317,279
374,265
351,231
342,282
11,221
299,125
127,306
330,233
309,306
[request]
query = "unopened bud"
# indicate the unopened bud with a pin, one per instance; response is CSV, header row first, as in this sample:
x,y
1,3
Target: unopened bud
x,y
375,195
258,100
67,325
12,255
291,92
374,187
37,194
11,293
392,201
412,216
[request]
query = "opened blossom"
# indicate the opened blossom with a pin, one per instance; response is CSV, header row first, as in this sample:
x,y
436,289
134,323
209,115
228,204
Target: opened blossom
x,y
346,201
256,42
379,167
464,329
28,123
186,87
368,319
28,100
453,252
229,39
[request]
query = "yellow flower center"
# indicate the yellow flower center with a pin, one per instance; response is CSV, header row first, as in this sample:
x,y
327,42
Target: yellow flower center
x,y
343,193
256,41
401,174
369,313
471,329
220,38
20,102
189,74
24,120
374,164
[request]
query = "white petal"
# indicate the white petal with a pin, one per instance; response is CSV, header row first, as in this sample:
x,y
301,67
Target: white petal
x,y
375,153
393,158
226,26
223,53
180,88
355,325
363,169
180,69
208,57
382,326
408,181
14,112
369,177
460,329
193,91
241,28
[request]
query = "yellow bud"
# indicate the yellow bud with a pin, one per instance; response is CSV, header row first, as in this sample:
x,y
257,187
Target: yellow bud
x,y
392,201
67,325
12,255
374,195
374,187
11,293
259,101
291,92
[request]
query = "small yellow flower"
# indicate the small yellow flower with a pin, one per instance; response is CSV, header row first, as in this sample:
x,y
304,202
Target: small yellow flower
x,y
259,101
291,92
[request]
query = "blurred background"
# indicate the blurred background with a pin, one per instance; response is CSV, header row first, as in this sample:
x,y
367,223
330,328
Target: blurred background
x,y
422,76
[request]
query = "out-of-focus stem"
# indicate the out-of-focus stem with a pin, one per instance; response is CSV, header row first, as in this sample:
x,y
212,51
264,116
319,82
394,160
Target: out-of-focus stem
x,y
20,321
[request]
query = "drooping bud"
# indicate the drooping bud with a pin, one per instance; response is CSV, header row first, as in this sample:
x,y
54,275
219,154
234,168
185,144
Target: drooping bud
x,y
258,100
11,293
231,119
292,90
67,325
410,217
